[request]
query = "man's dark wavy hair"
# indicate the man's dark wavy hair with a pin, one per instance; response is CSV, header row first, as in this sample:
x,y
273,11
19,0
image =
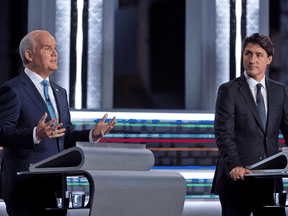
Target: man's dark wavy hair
x,y
262,40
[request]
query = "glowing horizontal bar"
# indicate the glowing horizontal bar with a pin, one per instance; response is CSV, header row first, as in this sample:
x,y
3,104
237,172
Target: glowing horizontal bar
x,y
159,140
88,115
183,149
200,175
199,185
185,167
77,183
212,136
200,197
148,125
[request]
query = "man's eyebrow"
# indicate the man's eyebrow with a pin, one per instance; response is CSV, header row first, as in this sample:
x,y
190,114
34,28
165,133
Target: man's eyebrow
x,y
47,45
260,52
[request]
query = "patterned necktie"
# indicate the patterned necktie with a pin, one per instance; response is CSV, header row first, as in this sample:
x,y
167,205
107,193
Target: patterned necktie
x,y
48,101
261,104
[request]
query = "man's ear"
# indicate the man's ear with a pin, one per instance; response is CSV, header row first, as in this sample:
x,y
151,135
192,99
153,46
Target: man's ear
x,y
28,55
269,60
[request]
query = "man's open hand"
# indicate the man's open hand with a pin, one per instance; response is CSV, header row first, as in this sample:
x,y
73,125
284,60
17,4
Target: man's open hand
x,y
47,131
239,172
102,129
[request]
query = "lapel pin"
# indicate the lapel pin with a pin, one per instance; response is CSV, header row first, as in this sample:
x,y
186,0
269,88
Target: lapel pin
x,y
56,89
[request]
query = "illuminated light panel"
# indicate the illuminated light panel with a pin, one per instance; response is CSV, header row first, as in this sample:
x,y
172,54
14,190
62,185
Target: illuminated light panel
x,y
88,115
183,149
77,183
238,9
190,172
163,135
158,140
201,197
193,185
79,50
144,124
195,175
199,180
185,168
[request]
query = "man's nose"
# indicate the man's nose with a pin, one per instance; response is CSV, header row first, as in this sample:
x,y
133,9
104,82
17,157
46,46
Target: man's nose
x,y
253,59
54,53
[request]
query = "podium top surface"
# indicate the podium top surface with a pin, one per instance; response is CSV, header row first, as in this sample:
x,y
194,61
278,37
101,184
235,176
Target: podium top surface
x,y
111,145
268,175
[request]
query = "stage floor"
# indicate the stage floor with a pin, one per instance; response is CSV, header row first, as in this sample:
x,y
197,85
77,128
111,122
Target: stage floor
x,y
191,208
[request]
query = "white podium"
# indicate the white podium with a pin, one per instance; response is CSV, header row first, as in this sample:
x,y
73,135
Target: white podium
x,y
121,182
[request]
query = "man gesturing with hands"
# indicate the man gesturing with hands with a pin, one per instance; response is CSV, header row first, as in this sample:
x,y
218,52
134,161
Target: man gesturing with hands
x,y
34,125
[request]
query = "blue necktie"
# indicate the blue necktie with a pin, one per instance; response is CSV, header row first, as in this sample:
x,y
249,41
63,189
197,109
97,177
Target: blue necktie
x,y
48,101
261,104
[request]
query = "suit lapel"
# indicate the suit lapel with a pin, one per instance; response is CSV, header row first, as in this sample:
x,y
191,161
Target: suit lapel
x,y
270,101
33,93
246,93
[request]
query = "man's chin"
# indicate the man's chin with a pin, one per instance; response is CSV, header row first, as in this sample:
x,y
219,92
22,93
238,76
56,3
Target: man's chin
x,y
251,73
53,68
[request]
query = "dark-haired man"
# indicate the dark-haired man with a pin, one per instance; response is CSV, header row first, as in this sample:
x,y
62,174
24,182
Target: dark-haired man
x,y
34,125
250,110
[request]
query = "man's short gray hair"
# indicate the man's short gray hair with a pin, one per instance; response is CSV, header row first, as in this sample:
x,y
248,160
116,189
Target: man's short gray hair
x,y
28,43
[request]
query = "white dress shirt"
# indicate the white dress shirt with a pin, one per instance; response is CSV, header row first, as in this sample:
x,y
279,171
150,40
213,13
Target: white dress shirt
x,y
253,87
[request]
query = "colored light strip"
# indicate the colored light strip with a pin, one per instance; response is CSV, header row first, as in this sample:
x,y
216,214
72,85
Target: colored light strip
x,y
159,140
197,185
88,115
77,183
238,42
212,136
202,175
201,196
183,149
168,140
148,125
199,180
79,51
186,167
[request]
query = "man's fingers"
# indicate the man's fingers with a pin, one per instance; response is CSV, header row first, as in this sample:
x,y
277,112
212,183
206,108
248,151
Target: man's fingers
x,y
57,135
248,171
239,172
51,122
56,126
58,131
42,120
104,118
111,122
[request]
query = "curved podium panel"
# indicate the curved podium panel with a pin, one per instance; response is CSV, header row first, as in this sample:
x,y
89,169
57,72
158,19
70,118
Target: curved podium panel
x,y
97,156
138,193
274,164
120,179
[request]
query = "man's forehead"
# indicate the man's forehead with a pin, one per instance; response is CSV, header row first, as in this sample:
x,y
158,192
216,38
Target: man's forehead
x,y
44,38
254,48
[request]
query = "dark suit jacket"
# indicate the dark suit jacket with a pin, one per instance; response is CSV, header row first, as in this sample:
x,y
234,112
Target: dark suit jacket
x,y
21,108
239,132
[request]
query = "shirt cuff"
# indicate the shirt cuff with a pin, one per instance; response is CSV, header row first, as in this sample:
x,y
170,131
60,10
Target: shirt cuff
x,y
36,142
90,137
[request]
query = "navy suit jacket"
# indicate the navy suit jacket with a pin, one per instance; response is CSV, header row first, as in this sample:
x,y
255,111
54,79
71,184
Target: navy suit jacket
x,y
240,135
21,108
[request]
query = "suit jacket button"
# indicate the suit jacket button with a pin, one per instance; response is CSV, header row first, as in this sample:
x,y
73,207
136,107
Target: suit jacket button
x,y
260,158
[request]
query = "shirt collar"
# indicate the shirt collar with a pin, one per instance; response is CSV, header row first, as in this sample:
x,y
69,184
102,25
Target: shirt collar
x,y
36,79
252,83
